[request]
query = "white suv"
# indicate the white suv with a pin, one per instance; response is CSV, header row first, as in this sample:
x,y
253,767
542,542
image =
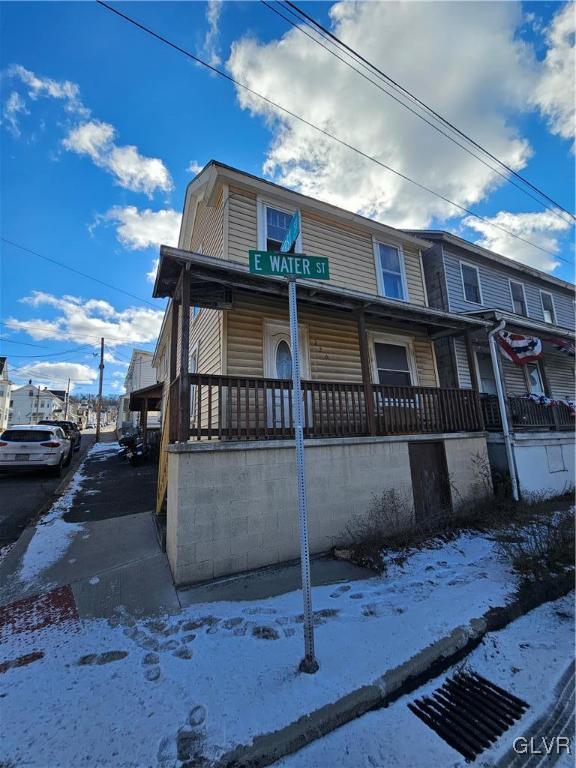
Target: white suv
x,y
31,446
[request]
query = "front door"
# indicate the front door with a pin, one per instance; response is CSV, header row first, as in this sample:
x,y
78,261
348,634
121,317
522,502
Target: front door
x,y
278,365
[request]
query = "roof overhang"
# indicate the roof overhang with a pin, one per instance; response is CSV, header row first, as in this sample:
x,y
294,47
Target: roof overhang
x,y
525,323
149,396
213,281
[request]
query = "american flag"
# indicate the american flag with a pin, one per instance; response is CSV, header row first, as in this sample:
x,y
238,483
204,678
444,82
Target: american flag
x,y
563,345
519,349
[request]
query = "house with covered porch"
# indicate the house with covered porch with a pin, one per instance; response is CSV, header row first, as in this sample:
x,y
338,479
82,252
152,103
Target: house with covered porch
x,y
375,416
537,309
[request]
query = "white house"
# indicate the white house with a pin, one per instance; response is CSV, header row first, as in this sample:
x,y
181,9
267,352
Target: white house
x,y
140,374
5,391
31,404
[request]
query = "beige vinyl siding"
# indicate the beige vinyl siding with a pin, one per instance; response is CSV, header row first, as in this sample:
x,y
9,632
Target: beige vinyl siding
x,y
349,248
208,232
242,224
332,340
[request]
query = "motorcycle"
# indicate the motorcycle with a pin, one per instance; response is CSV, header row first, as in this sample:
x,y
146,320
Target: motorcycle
x,y
137,452
127,442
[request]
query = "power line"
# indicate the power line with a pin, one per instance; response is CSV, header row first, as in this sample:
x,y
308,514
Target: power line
x,y
327,34
55,354
403,104
71,333
320,130
78,272
25,343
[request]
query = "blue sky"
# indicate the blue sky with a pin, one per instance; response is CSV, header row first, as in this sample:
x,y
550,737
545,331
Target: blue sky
x,y
108,125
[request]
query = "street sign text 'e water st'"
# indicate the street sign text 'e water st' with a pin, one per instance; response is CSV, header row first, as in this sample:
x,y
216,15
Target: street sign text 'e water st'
x,y
293,266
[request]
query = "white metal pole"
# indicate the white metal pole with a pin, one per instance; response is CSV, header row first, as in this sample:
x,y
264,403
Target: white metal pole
x,y
503,412
308,663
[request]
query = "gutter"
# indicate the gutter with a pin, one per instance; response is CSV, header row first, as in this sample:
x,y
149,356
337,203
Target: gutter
x,y
503,410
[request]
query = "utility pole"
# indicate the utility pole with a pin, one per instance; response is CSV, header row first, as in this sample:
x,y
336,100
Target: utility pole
x,y
67,400
34,419
99,403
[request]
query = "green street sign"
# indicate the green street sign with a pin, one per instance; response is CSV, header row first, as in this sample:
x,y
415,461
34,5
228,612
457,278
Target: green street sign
x,y
289,265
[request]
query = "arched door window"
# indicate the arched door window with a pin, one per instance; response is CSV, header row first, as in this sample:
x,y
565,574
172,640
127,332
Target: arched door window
x,y
283,360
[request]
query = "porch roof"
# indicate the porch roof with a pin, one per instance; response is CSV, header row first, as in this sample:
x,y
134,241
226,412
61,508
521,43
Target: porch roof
x,y
525,323
212,280
152,394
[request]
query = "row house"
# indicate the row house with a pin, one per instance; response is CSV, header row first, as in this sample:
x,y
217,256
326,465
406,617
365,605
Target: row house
x,y
537,309
30,404
377,414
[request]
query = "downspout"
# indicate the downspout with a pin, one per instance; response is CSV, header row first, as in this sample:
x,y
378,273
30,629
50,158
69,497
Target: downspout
x,y
503,412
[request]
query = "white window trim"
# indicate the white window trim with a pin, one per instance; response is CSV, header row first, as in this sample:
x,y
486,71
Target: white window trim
x,y
536,365
555,321
400,341
262,204
272,327
378,267
475,268
517,282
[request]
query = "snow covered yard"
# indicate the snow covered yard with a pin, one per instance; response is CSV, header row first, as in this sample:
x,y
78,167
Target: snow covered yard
x,y
526,658
129,692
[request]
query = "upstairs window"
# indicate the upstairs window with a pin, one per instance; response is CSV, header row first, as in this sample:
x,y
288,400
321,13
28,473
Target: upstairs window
x,y
276,225
392,365
518,299
548,307
390,266
471,283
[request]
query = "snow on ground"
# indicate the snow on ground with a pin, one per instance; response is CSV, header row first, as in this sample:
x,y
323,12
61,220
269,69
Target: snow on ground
x,y
527,658
52,535
116,693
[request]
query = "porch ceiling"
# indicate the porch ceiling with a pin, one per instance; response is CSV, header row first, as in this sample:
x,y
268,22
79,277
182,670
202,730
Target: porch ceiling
x,y
152,395
522,324
212,281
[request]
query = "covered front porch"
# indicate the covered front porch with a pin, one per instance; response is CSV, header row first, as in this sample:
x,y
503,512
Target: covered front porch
x,y
368,363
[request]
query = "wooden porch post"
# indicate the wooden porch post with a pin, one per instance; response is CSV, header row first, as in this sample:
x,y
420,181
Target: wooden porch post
x,y
184,384
144,422
366,373
173,339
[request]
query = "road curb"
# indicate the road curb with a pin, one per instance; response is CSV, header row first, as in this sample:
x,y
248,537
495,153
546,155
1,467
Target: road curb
x,y
424,666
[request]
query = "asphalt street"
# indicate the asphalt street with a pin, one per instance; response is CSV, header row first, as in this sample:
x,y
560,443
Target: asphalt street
x,y
25,494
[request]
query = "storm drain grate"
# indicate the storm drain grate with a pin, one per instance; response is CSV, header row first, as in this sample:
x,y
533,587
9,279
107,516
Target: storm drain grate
x,y
469,712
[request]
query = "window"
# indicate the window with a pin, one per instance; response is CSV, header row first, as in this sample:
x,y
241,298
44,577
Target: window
x,y
548,307
471,283
392,365
534,379
274,226
390,269
518,299
486,373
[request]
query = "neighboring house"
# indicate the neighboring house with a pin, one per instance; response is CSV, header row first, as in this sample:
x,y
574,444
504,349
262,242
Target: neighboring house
x,y
5,393
376,417
141,374
461,277
31,404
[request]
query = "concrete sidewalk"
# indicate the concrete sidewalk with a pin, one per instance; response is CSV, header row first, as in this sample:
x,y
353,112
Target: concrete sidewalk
x,y
100,538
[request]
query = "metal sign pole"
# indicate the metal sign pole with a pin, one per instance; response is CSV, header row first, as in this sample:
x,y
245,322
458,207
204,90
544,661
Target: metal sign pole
x,y
308,663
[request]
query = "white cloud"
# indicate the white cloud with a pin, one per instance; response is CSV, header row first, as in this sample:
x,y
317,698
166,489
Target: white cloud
x,y
194,167
467,55
540,228
129,168
14,106
64,90
210,46
56,375
151,275
82,321
554,94
137,229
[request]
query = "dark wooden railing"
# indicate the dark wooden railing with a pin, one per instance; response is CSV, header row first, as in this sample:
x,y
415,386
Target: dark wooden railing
x,y
249,408
527,415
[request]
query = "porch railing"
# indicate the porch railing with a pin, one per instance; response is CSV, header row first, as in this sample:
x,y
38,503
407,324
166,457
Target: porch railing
x,y
249,408
527,415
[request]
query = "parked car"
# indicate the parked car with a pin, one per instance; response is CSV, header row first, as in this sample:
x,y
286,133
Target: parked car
x,y
71,431
31,446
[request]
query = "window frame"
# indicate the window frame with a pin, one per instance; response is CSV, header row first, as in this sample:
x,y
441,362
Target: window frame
x,y
535,364
398,341
555,316
477,270
262,221
379,270
517,282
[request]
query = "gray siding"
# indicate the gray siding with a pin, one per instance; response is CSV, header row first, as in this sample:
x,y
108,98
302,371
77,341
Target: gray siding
x,y
495,288
434,277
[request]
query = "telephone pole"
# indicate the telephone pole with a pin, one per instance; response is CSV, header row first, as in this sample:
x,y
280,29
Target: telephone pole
x,y
67,401
99,403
